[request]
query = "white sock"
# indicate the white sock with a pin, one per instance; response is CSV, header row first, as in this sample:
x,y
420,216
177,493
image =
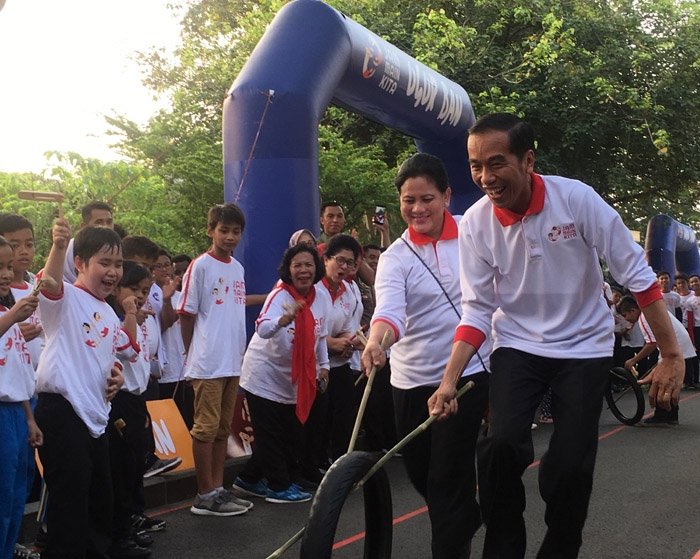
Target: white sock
x,y
209,495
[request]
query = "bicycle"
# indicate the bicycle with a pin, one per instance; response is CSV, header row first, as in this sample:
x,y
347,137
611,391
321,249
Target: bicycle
x,y
624,395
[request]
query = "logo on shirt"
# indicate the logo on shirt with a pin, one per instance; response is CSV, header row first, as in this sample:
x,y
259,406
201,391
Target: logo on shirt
x,y
94,331
563,232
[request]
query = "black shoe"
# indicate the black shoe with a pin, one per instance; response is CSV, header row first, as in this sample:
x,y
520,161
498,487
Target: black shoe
x,y
658,422
128,549
141,538
306,484
141,522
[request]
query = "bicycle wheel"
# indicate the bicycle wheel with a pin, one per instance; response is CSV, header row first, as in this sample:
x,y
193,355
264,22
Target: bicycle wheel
x,y
624,396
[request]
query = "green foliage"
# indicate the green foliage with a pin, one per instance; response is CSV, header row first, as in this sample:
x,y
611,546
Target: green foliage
x,y
611,87
142,202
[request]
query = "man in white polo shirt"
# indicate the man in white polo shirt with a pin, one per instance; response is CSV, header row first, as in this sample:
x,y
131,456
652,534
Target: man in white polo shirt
x,y
527,230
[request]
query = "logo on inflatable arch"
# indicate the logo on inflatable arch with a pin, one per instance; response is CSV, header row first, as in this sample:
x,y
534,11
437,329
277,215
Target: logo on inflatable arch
x,y
373,59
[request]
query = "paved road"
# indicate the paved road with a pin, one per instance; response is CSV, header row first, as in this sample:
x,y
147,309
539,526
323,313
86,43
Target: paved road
x,y
645,504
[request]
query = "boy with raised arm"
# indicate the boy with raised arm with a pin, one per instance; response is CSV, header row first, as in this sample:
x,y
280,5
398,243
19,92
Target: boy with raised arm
x,y
77,377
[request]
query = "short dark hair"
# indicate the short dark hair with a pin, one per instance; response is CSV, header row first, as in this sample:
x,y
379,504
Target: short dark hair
x,y
663,273
284,271
163,252
423,165
135,245
626,304
691,276
372,246
521,136
342,242
90,240
86,210
681,276
134,273
9,223
331,204
228,214
121,230
181,258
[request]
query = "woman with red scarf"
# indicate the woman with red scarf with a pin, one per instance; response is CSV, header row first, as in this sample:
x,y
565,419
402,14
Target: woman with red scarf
x,y
284,360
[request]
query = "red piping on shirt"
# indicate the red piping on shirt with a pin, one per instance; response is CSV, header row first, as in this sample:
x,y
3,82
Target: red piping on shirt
x,y
391,324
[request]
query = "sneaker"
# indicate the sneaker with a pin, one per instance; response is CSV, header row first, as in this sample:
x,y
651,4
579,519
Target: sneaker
x,y
658,422
247,489
23,552
141,522
162,466
218,505
128,549
231,497
290,495
141,538
306,485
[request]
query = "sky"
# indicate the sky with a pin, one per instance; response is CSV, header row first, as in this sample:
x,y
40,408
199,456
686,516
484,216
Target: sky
x,y
65,64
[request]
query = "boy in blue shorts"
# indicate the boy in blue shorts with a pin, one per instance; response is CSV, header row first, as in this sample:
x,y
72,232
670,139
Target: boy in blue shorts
x,y
212,318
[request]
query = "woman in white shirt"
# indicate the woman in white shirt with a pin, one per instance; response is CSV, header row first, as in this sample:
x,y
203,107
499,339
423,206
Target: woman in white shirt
x,y
418,295
284,360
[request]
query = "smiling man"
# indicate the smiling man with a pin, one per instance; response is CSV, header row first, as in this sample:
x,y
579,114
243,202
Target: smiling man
x,y
529,273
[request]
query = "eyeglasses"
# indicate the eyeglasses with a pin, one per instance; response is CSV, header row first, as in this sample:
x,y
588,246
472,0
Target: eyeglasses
x,y
343,261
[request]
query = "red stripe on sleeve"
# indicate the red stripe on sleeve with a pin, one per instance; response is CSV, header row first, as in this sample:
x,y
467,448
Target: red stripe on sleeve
x,y
391,324
648,296
469,334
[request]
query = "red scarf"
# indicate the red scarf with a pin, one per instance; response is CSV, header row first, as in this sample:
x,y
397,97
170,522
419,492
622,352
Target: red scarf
x,y
303,352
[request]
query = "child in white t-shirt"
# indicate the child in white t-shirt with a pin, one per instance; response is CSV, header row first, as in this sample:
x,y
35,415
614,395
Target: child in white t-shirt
x,y
78,376
212,318
17,425
19,232
128,441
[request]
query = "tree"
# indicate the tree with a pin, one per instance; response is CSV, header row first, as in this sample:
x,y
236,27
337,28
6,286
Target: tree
x,y
610,86
141,201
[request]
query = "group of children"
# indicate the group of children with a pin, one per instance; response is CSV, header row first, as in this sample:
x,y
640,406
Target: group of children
x,y
82,340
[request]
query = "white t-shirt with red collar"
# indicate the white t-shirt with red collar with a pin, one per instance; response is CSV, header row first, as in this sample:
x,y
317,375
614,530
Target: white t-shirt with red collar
x,y
173,349
37,344
83,338
213,291
137,370
684,342
536,279
16,371
267,365
345,314
411,301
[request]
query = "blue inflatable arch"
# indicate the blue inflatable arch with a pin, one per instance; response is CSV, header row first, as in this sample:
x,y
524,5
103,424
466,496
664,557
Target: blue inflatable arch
x,y
671,246
312,55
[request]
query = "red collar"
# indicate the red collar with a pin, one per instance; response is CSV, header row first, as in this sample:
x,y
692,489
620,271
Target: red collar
x,y
449,231
224,260
338,292
83,288
506,217
22,285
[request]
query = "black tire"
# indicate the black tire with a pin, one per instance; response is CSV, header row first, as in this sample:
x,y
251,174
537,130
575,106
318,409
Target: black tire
x,y
330,497
624,396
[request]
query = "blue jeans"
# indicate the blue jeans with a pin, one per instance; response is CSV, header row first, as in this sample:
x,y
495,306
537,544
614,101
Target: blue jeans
x,y
13,474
